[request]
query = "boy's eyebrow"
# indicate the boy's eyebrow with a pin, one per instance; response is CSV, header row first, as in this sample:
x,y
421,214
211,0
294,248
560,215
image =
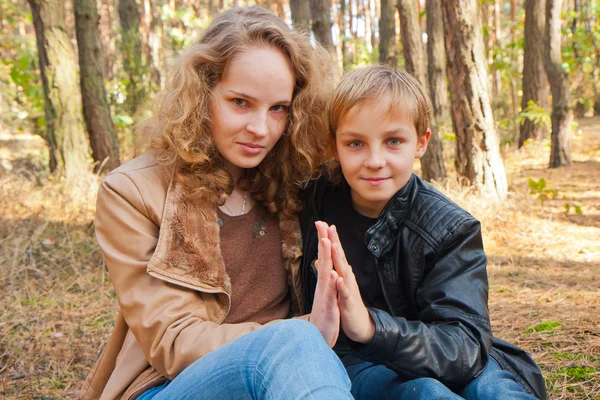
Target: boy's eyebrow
x,y
242,94
386,133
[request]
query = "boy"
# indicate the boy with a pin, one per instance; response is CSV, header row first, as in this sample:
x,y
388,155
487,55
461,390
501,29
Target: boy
x,y
409,264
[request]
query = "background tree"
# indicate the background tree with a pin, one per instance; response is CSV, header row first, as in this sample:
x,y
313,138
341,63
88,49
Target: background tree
x,y
477,149
96,111
436,60
131,49
65,132
535,82
300,10
387,33
432,163
321,26
562,115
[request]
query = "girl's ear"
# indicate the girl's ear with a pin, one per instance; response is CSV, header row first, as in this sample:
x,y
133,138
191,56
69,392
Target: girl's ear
x,y
422,144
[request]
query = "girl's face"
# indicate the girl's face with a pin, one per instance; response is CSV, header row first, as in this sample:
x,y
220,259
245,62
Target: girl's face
x,y
250,107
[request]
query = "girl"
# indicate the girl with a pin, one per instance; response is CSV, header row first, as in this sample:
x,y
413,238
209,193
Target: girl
x,y
200,235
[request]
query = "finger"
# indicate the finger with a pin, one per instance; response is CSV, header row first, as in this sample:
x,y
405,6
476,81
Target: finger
x,y
325,262
339,261
332,233
343,291
321,229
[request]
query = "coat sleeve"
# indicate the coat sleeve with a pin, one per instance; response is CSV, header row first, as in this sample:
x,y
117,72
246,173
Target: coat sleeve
x,y
173,324
452,338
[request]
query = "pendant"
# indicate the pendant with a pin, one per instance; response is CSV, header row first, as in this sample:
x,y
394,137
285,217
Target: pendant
x,y
260,228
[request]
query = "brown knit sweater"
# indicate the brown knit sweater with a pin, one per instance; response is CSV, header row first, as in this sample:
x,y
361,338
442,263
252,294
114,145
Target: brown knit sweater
x,y
251,248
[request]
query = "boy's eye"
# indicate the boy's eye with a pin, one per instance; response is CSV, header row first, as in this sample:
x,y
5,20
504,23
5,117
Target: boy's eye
x,y
394,142
239,102
354,144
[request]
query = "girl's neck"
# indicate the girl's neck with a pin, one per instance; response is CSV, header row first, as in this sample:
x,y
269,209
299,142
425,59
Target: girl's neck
x,y
235,172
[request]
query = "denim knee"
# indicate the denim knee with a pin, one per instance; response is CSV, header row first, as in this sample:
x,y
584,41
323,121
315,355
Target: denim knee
x,y
296,328
426,388
495,383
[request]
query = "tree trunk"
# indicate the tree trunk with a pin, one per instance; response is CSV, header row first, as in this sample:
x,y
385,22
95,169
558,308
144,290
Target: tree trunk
x,y
107,36
374,22
412,44
368,24
535,82
96,111
300,10
477,149
497,42
562,115
432,163
321,26
342,25
131,49
213,8
65,132
436,65
387,33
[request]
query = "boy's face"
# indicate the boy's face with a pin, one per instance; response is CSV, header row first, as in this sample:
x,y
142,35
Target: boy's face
x,y
376,147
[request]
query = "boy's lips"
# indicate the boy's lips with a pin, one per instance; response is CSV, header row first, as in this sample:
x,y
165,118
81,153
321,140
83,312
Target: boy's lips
x,y
375,181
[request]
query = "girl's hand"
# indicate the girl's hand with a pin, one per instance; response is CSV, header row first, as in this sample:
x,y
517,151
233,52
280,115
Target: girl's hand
x,y
325,313
356,320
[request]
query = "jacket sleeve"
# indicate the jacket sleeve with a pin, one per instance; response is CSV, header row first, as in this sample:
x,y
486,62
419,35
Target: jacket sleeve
x,y
172,323
452,338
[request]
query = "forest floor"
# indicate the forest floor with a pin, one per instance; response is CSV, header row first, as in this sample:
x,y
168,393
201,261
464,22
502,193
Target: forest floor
x,y
57,304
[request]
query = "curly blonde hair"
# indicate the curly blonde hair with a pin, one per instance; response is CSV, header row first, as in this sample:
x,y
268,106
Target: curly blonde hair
x,y
180,129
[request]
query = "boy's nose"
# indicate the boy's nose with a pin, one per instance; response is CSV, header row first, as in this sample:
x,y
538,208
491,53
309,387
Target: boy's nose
x,y
375,161
258,124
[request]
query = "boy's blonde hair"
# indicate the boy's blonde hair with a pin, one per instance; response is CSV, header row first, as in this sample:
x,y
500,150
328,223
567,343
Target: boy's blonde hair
x,y
385,84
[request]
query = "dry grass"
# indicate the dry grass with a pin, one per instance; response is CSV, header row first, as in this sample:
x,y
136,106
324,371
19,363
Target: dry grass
x,y
58,305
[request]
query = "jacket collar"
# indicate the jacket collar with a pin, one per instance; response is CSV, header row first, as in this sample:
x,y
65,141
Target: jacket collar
x,y
188,250
378,236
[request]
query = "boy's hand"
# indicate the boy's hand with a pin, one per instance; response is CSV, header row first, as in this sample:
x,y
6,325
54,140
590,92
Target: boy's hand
x,y
325,313
356,320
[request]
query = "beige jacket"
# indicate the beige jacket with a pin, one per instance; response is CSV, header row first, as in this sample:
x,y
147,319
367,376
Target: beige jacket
x,y
163,255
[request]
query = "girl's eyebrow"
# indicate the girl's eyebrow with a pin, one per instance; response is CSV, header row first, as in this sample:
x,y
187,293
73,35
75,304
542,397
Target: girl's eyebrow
x,y
247,96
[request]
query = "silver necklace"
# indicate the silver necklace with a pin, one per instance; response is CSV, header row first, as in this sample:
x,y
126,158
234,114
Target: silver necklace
x,y
243,206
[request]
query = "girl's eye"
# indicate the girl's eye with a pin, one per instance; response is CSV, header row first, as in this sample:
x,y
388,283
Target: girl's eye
x,y
394,142
279,108
354,144
239,102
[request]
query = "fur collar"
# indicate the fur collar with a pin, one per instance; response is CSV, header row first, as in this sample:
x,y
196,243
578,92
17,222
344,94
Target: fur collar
x,y
188,251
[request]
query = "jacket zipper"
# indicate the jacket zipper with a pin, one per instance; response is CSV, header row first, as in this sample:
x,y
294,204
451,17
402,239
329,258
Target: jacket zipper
x,y
385,295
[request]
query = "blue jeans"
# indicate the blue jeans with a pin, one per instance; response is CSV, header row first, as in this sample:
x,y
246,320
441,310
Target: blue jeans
x,y
370,381
286,360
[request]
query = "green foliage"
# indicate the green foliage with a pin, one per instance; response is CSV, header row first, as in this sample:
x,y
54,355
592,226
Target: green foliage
x,y
539,189
536,114
578,373
182,24
122,120
21,89
574,206
546,326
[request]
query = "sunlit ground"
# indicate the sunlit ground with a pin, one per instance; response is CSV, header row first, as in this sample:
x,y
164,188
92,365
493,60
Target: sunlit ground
x,y
58,305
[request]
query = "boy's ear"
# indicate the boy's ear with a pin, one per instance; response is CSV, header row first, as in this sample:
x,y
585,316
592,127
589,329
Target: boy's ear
x,y
422,144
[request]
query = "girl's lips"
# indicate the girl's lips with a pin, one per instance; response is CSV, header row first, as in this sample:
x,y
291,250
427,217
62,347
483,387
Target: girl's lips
x,y
251,148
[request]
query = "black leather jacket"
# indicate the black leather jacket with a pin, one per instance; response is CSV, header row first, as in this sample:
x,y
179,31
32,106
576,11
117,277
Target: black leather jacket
x,y
432,268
